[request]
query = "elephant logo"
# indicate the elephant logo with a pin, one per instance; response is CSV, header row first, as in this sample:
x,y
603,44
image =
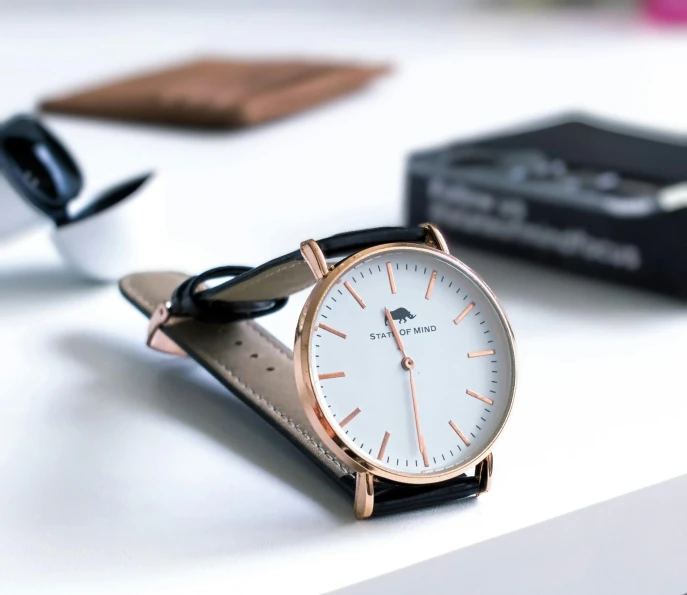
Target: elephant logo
x,y
399,314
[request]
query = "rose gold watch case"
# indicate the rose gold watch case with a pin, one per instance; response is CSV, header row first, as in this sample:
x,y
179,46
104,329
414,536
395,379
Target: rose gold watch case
x,y
330,433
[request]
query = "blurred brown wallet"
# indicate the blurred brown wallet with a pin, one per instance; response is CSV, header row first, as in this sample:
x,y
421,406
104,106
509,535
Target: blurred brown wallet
x,y
218,93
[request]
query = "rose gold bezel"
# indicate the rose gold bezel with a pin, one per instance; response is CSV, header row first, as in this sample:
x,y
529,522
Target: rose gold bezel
x,y
332,435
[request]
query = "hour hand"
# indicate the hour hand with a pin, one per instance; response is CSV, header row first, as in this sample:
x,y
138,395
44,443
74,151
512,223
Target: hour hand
x,y
394,330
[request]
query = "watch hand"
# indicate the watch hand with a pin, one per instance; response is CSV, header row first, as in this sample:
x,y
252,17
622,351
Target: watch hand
x,y
394,330
420,438
408,364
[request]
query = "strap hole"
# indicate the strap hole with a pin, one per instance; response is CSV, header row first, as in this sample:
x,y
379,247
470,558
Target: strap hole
x,y
238,343
254,355
270,369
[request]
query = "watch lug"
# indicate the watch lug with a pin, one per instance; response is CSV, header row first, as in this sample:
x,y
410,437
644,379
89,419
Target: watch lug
x,y
157,340
435,238
483,472
313,255
364,501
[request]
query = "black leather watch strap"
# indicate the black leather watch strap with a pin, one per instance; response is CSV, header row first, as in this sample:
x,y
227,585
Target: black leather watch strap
x,y
391,498
254,292
259,369
284,276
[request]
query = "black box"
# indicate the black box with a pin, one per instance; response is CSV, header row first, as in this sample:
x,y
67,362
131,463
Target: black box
x,y
578,193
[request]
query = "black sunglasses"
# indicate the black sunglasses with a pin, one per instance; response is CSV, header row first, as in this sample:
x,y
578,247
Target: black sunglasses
x,y
38,166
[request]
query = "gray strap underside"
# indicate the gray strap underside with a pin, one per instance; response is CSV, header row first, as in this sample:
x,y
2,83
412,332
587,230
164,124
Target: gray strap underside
x,y
239,356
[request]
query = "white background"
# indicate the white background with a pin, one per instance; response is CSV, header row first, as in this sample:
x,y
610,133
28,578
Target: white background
x,y
386,5
132,472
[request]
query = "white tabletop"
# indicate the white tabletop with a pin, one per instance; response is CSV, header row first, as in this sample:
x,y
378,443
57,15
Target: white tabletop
x,y
134,471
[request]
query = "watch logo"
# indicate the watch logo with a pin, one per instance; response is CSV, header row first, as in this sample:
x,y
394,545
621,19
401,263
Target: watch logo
x,y
400,314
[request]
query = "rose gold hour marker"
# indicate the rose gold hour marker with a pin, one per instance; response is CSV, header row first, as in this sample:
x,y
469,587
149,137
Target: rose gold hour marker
x,y
382,448
482,398
349,417
460,434
329,329
430,287
392,283
332,375
355,295
464,313
479,353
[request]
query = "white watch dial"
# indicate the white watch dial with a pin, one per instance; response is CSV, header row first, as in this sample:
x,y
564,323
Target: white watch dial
x,y
434,395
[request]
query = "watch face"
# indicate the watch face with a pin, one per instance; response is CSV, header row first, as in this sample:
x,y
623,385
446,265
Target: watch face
x,y
411,362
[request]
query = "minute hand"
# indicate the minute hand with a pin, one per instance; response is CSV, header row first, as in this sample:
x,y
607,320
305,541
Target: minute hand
x,y
420,438
408,364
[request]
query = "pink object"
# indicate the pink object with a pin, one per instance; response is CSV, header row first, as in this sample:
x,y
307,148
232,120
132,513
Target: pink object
x,y
667,10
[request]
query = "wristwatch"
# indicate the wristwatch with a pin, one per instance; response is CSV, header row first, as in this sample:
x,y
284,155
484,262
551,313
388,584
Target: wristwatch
x,y
403,371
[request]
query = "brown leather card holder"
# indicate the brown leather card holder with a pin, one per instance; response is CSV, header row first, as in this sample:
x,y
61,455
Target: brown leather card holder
x,y
218,93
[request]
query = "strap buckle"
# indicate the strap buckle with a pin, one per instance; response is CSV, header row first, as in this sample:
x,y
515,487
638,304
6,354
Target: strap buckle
x,y
157,339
